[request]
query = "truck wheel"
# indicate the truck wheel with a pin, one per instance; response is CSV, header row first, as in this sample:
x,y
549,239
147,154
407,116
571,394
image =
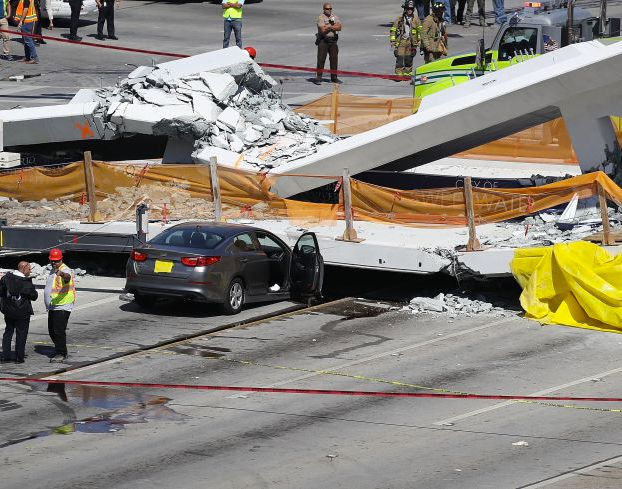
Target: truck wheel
x,y
234,298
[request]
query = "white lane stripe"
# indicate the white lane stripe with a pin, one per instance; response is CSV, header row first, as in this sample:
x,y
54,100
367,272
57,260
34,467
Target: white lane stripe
x,y
539,393
81,307
574,473
398,350
314,374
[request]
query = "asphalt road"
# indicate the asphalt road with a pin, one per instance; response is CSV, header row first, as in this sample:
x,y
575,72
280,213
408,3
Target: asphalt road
x,y
106,437
282,32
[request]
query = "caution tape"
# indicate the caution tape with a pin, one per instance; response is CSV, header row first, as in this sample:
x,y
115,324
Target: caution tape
x,y
178,55
331,392
96,45
402,384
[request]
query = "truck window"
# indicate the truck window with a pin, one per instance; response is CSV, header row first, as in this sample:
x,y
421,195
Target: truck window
x,y
517,39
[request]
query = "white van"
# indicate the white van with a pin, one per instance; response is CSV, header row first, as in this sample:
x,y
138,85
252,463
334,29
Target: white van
x,y
61,10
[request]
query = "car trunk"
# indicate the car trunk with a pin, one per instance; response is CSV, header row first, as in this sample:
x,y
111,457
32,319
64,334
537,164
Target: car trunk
x,y
163,262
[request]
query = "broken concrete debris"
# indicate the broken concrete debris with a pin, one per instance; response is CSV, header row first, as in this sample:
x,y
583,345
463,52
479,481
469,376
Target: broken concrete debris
x,y
220,100
169,202
454,305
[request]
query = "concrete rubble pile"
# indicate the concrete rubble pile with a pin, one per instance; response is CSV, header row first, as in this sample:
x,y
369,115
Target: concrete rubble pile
x,y
454,305
40,273
545,229
179,204
221,104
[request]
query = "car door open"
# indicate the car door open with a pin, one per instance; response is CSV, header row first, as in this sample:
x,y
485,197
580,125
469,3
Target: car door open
x,y
307,267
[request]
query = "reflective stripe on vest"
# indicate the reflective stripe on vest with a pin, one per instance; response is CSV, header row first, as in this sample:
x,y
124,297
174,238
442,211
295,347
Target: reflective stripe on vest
x,y
232,13
31,14
63,292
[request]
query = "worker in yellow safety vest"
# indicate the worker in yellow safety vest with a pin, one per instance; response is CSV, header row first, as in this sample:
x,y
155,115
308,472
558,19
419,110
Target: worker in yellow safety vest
x,y
26,17
59,297
404,39
232,14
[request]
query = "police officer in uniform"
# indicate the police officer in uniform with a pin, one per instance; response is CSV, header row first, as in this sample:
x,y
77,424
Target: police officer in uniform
x,y
434,34
404,39
106,15
328,28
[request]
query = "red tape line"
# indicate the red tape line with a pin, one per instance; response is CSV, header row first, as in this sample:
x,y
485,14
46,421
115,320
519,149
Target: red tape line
x,y
310,391
177,55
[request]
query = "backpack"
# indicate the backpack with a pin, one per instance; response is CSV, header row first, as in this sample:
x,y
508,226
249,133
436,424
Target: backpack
x,y
11,302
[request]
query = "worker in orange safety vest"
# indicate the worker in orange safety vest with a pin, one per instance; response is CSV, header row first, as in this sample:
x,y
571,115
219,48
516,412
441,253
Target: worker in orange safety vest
x,y
26,17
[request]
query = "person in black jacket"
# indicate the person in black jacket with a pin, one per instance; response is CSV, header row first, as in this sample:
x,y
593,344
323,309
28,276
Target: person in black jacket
x,y
16,294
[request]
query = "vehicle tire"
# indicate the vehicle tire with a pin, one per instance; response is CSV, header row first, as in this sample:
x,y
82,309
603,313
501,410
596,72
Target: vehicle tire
x,y
145,300
234,297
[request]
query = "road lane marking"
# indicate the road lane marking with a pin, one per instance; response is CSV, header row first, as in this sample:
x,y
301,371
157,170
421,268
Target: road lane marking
x,y
582,471
556,388
81,307
393,352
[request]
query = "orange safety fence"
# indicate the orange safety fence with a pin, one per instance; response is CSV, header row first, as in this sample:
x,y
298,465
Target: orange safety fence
x,y
352,114
184,191
447,207
548,142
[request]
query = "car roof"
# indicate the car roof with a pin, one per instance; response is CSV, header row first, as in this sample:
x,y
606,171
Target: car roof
x,y
223,228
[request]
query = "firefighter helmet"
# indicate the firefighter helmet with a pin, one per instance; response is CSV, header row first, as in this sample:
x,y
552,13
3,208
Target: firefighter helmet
x,y
409,5
438,6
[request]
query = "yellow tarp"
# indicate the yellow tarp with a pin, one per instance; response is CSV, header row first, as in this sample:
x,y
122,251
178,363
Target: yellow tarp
x,y
574,284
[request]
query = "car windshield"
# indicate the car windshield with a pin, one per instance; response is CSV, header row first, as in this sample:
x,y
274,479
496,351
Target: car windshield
x,y
188,238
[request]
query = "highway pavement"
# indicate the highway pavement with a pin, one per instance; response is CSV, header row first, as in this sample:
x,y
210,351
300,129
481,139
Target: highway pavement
x,y
282,32
79,436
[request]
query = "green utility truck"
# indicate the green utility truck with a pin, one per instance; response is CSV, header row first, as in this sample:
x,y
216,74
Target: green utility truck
x,y
536,29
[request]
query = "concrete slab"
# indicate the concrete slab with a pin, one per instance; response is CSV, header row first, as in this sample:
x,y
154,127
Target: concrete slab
x,y
205,107
221,85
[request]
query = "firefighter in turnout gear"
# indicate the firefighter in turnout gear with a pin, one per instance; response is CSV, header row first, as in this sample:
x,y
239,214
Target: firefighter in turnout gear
x,y
434,34
405,35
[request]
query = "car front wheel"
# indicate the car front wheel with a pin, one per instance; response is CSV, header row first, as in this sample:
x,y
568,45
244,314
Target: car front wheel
x,y
234,299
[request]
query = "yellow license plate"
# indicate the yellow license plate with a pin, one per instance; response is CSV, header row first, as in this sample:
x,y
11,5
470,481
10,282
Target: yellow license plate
x,y
163,266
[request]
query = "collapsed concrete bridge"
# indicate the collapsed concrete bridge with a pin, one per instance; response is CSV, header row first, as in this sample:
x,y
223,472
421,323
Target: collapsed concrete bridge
x,y
202,105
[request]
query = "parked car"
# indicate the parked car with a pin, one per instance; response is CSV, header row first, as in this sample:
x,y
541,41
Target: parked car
x,y
228,264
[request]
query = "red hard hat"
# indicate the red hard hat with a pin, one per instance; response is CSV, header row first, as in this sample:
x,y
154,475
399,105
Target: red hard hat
x,y
251,51
56,254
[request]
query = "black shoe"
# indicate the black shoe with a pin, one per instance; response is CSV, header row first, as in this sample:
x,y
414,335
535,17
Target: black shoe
x,y
56,358
64,358
317,81
21,360
336,80
114,38
75,38
100,37
41,41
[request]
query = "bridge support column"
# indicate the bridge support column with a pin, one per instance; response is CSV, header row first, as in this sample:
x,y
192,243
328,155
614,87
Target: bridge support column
x,y
590,136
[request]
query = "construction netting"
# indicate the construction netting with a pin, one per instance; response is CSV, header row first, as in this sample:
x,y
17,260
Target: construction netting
x,y
350,114
184,191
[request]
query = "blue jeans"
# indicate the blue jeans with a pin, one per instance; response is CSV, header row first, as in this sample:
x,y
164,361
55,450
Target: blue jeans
x,y
419,5
29,45
236,26
447,14
499,8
